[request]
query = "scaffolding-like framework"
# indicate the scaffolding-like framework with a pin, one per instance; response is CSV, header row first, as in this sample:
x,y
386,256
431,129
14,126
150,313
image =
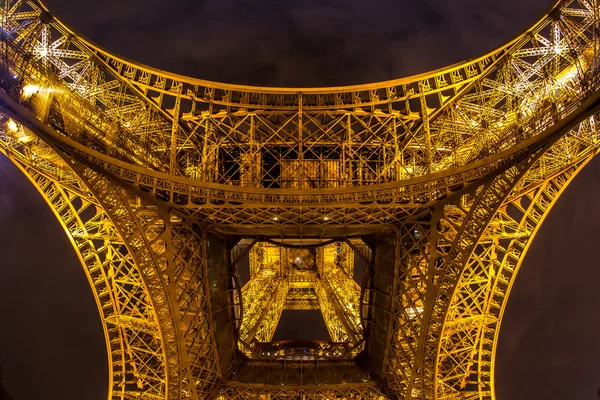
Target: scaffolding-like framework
x,y
437,182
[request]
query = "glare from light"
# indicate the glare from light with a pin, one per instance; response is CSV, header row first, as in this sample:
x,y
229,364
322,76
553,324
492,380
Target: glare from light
x,y
29,90
12,125
25,139
325,219
412,312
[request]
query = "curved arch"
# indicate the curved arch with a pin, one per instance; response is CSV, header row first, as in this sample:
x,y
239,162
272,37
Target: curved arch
x,y
563,186
482,292
53,196
482,139
125,308
161,93
308,90
399,196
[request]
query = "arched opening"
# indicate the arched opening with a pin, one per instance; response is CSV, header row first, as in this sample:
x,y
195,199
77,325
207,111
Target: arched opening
x,y
179,201
51,341
550,325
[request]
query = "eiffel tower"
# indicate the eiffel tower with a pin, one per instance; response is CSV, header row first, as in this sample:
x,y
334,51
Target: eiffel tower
x,y
165,184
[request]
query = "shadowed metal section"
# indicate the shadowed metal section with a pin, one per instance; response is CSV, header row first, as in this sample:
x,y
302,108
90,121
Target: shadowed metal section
x,y
220,287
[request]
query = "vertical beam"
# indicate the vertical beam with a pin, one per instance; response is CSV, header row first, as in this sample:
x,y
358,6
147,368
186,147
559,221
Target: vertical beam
x,y
272,313
205,149
331,314
345,306
221,308
426,130
339,293
300,157
254,166
347,153
263,293
398,154
174,134
384,289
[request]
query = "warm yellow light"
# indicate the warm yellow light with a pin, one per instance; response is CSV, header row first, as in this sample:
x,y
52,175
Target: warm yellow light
x,y
12,125
19,134
567,75
412,312
25,138
29,90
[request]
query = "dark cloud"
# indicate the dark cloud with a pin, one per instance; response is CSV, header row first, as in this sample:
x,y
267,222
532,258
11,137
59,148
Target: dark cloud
x,y
430,17
310,43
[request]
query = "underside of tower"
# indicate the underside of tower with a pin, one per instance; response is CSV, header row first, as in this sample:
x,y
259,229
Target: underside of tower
x,y
201,212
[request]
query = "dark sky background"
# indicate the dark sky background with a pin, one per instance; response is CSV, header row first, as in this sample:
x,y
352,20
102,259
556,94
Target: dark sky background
x,y
51,342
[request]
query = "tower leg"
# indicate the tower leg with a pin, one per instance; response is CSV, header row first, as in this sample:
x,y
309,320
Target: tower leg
x,y
172,262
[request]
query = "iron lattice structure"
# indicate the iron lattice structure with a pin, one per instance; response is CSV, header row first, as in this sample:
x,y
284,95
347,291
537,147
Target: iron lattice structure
x,y
438,182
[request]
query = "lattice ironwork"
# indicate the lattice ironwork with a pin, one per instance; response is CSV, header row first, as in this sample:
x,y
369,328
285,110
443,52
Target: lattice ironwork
x,y
296,278
437,183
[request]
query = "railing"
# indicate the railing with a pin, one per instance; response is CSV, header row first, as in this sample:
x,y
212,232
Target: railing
x,y
192,193
197,193
302,350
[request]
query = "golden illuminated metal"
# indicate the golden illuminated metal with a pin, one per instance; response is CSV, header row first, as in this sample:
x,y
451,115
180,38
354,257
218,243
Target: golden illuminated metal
x,y
437,182
284,278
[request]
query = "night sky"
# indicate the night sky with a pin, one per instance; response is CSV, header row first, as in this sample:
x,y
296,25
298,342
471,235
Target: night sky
x,y
51,341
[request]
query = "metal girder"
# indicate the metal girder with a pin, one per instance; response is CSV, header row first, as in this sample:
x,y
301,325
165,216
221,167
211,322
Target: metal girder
x,y
445,177
134,342
281,279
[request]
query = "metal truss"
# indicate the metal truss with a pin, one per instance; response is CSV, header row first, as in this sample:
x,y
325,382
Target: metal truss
x,y
159,119
292,278
134,342
339,294
467,349
147,272
438,182
249,393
